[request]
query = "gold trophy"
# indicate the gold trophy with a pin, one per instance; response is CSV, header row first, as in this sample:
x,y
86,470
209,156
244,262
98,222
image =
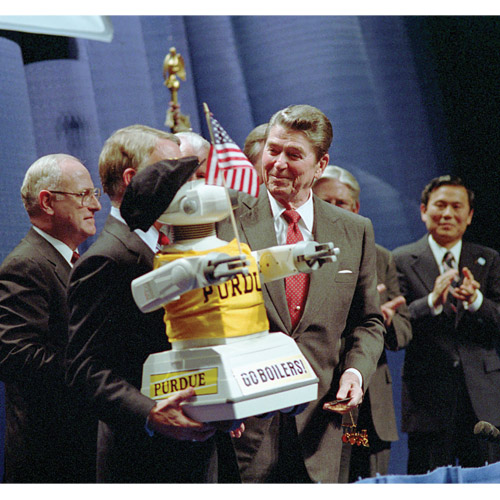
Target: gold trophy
x,y
173,68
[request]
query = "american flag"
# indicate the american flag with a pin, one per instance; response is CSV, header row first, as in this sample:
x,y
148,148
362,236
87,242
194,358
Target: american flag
x,y
227,159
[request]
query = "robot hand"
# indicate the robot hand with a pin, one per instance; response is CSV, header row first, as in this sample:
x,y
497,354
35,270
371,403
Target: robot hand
x,y
309,255
222,267
286,260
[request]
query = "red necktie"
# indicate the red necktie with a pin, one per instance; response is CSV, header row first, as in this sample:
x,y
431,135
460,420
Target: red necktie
x,y
296,286
163,239
75,257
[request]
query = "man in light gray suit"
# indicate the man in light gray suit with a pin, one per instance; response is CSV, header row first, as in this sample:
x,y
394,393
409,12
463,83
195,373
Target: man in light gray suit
x,y
307,448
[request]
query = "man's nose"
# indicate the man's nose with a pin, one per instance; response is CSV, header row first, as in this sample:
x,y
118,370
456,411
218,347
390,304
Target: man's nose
x,y
448,211
95,204
280,160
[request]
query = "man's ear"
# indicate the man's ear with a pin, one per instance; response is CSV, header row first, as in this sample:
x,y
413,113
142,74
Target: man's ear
x,y
45,201
128,173
321,165
423,212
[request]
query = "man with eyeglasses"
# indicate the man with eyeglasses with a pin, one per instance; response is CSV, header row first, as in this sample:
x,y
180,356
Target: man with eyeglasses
x,y
49,439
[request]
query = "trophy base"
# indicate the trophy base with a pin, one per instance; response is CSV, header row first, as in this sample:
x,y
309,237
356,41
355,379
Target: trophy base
x,y
256,375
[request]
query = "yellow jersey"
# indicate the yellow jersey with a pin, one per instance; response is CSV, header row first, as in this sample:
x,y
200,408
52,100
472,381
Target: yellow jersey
x,y
232,309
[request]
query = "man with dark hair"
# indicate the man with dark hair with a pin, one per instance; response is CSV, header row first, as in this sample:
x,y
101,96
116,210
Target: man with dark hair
x,y
451,374
314,311
49,438
140,440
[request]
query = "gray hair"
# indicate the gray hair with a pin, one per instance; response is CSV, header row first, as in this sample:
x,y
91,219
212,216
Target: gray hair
x,y
343,176
44,173
196,141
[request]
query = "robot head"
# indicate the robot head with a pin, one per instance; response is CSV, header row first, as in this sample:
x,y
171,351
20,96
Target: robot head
x,y
198,203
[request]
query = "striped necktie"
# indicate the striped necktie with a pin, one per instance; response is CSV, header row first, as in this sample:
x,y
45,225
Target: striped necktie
x,y
75,257
449,263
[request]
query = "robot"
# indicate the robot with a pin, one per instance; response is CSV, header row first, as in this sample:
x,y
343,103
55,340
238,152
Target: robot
x,y
215,316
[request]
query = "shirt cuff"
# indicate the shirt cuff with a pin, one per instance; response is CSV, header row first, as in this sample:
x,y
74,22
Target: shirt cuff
x,y
357,373
435,311
476,304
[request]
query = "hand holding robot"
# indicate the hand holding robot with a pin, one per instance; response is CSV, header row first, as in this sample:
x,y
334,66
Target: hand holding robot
x,y
214,309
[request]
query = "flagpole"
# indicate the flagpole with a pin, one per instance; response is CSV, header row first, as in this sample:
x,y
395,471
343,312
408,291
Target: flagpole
x,y
231,213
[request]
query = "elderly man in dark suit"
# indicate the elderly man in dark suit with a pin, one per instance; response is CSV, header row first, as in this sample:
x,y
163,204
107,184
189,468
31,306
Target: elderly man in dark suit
x,y
49,438
451,374
140,440
307,448
376,414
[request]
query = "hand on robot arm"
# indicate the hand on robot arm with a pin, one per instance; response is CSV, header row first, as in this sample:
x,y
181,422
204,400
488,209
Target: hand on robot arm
x,y
167,283
286,260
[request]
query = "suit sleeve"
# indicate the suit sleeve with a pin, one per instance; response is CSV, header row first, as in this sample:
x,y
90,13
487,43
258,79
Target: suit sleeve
x,y
26,351
364,340
399,333
101,347
489,312
418,307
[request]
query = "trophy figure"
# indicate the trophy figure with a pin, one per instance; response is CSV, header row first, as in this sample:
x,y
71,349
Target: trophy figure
x,y
173,68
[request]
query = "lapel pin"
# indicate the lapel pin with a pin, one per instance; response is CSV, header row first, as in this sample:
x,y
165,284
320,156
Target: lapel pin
x,y
481,261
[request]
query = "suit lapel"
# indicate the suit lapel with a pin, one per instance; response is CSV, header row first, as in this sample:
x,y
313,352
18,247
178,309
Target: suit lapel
x,y
258,228
62,268
130,240
472,258
424,265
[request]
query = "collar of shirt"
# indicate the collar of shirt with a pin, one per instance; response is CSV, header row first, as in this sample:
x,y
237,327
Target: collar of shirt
x,y
439,252
306,221
61,247
150,237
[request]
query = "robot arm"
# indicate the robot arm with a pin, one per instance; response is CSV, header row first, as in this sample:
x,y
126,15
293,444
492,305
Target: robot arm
x,y
286,260
167,283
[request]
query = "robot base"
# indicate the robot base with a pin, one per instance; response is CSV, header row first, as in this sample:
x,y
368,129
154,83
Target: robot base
x,y
254,375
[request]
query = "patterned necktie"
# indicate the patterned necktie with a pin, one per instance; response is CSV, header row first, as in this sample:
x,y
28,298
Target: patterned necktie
x,y
75,257
449,263
296,286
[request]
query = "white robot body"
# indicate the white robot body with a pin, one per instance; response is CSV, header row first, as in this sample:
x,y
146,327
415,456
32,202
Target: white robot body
x,y
235,377
197,203
254,375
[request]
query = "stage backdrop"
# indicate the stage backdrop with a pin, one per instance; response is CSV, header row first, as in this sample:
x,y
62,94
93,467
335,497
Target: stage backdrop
x,y
376,78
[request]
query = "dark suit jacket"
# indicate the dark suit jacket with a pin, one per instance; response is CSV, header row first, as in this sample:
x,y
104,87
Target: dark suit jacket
x,y
467,341
335,302
109,341
397,337
48,438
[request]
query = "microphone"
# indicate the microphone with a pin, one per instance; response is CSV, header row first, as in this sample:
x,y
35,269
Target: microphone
x,y
487,431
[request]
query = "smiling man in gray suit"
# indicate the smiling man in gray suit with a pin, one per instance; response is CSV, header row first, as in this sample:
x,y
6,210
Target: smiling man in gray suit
x,y
451,374
306,448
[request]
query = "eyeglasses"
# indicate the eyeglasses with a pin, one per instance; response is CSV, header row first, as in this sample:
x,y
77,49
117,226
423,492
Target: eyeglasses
x,y
86,195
